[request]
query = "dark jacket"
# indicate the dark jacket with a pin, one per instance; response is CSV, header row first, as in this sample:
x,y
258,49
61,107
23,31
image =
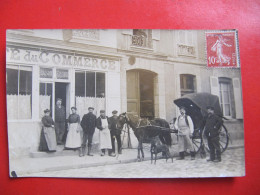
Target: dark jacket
x,y
47,121
113,130
99,123
60,114
212,125
88,122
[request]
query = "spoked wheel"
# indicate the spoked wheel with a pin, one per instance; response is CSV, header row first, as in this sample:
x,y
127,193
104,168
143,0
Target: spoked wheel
x,y
223,139
196,140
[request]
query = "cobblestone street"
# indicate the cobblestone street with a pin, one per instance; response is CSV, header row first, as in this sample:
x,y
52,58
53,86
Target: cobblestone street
x,y
232,165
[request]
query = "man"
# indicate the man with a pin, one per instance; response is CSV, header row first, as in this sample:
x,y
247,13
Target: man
x,y
185,128
60,119
115,133
88,125
212,127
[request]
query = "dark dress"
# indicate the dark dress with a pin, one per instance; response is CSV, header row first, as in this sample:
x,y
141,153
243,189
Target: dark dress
x,y
48,137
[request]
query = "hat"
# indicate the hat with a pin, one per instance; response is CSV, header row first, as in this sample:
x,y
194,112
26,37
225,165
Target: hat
x,y
90,108
114,112
46,110
210,107
73,108
59,99
102,111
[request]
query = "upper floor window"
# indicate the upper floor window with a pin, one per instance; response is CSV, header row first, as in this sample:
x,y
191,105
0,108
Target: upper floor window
x,y
186,43
188,83
142,38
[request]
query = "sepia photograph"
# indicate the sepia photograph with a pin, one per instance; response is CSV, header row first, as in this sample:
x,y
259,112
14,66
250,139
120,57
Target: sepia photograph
x,y
124,103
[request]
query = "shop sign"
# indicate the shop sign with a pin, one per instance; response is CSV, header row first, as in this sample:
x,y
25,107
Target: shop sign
x,y
25,56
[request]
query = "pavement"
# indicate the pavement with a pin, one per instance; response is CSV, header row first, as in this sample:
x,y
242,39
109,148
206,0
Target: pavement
x,y
56,166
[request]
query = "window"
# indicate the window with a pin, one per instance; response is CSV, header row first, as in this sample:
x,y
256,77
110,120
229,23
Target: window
x,y
142,38
45,98
19,92
188,84
89,91
226,96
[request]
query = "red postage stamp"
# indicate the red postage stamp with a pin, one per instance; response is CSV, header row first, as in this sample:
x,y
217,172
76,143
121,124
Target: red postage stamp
x,y
222,49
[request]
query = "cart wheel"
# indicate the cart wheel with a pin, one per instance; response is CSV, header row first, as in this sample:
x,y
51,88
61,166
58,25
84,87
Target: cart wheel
x,y
197,141
223,139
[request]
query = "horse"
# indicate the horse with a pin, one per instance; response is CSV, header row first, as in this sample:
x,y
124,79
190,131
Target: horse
x,y
144,128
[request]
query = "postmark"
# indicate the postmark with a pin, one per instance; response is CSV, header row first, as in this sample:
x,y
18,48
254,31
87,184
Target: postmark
x,y
222,49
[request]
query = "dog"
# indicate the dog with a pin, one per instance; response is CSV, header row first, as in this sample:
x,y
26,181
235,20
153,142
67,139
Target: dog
x,y
158,147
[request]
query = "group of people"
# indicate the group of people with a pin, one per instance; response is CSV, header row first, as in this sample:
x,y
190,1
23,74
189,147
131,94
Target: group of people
x,y
212,125
79,132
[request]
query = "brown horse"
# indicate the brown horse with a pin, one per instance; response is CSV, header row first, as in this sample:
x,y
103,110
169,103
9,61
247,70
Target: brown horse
x,y
145,129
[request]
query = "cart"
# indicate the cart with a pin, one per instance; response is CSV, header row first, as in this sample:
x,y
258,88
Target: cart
x,y
195,104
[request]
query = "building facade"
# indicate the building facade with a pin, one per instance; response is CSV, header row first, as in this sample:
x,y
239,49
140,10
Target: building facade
x,y
136,71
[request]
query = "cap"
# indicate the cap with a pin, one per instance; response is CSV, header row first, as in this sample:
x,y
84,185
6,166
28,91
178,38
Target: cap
x,y
182,107
59,99
102,111
114,112
90,108
210,107
46,110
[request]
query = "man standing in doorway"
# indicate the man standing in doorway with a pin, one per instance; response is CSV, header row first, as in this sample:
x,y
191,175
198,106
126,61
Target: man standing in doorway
x,y
60,119
212,127
115,133
88,125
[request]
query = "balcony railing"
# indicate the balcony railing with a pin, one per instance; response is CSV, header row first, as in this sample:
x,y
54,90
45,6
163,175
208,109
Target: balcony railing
x,y
141,41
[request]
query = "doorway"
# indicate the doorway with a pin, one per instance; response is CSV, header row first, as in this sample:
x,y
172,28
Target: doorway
x,y
141,93
62,92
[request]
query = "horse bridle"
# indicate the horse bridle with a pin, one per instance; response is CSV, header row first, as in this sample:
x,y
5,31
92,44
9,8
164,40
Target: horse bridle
x,y
126,121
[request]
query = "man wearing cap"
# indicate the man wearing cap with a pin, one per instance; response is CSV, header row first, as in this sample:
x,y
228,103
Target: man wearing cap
x,y
88,125
212,127
185,128
60,119
115,133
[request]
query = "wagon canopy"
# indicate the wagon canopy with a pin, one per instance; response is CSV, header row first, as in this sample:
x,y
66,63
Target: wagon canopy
x,y
196,104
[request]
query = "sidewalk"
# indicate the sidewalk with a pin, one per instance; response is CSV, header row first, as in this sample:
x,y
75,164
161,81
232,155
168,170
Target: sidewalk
x,y
30,165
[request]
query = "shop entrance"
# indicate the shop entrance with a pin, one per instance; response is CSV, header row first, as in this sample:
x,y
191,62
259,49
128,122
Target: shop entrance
x,y
141,90
62,92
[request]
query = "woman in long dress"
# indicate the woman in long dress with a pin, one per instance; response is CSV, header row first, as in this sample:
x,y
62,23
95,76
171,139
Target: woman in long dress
x,y
104,134
73,140
48,137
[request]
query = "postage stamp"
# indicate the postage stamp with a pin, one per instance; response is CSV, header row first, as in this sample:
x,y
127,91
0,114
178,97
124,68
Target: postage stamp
x,y
222,49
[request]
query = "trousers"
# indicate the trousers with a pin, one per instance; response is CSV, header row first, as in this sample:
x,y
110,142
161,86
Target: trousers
x,y
119,144
214,148
59,130
87,136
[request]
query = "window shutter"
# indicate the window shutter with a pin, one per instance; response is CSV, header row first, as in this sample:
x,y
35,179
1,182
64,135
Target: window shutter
x,y
214,86
156,34
238,98
113,92
127,31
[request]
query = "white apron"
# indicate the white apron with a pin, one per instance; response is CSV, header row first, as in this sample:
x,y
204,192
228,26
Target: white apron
x,y
104,136
184,140
73,137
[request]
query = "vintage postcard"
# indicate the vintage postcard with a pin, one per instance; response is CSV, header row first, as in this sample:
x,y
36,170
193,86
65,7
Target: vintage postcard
x,y
126,103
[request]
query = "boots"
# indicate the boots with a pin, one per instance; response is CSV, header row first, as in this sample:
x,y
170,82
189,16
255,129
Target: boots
x,y
103,151
89,151
192,155
181,156
120,151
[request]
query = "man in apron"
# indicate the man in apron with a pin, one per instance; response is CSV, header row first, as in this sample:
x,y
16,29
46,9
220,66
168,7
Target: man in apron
x,y
185,128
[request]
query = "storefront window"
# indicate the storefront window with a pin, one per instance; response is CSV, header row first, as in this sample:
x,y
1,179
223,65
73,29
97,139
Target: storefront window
x,y
45,98
19,92
89,91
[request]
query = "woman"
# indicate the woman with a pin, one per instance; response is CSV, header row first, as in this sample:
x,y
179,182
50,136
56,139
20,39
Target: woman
x,y
104,134
48,137
73,140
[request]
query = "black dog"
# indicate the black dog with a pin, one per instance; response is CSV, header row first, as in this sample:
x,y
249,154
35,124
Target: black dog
x,y
158,147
